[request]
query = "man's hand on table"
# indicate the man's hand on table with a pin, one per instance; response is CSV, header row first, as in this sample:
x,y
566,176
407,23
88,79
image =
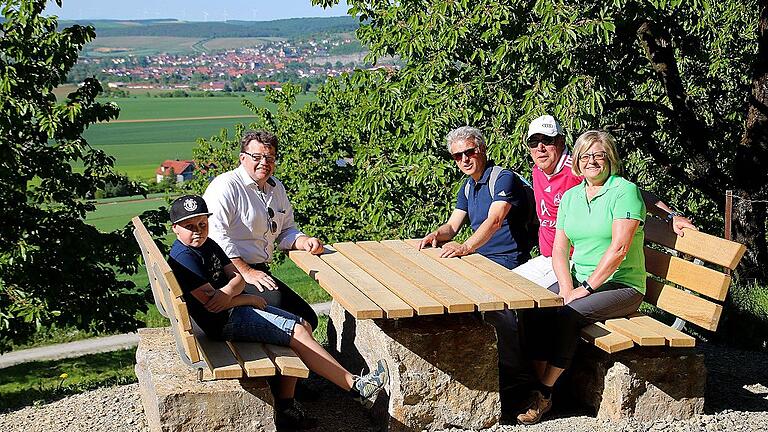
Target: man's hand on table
x,y
428,240
453,249
260,280
312,245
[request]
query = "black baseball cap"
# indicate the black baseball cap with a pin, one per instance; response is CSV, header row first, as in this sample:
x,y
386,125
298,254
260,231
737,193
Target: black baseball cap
x,y
188,206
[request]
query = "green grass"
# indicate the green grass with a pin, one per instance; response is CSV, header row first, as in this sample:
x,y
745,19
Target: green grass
x,y
139,45
114,215
42,381
140,147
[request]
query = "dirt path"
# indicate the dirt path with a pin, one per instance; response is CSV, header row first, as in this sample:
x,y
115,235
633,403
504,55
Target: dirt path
x,y
179,119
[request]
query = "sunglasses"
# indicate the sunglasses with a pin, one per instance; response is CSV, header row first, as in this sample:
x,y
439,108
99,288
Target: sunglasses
x,y
272,223
470,152
534,141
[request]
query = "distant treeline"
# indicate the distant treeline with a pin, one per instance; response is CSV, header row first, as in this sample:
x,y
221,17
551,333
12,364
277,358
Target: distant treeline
x,y
285,28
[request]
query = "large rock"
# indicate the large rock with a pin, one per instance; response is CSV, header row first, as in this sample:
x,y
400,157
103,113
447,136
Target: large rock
x,y
443,369
174,399
643,383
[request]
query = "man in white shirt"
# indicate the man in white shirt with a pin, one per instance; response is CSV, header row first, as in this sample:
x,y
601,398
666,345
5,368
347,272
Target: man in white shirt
x,y
251,213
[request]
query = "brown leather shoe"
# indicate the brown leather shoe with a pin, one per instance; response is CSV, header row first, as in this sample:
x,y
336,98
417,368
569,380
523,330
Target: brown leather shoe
x,y
538,408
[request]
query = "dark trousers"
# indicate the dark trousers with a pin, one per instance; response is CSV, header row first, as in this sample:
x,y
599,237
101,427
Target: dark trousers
x,y
284,297
552,334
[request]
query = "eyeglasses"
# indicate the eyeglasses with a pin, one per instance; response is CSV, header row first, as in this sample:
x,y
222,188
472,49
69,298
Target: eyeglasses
x,y
597,156
534,141
257,157
470,152
272,223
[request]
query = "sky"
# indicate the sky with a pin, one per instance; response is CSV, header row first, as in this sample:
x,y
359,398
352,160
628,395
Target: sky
x,y
192,10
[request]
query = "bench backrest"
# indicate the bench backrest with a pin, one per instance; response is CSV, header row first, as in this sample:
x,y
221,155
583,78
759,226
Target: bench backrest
x,y
679,285
167,293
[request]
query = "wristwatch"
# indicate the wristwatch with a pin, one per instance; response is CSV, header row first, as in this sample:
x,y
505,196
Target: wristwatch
x,y
587,287
671,216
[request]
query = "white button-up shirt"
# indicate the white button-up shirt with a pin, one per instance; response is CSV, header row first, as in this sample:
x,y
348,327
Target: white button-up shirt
x,y
240,222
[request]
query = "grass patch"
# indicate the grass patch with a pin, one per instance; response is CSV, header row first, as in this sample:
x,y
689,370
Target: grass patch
x,y
43,381
321,332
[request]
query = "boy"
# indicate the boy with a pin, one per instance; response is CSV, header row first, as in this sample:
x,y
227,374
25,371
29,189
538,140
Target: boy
x,y
213,292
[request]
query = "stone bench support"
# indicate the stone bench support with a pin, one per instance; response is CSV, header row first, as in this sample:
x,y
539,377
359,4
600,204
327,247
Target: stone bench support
x,y
443,368
646,383
174,399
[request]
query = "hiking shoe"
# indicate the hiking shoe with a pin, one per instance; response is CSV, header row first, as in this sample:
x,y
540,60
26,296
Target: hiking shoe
x,y
536,410
367,386
294,417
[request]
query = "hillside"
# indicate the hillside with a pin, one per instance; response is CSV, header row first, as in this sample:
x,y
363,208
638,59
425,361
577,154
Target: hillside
x,y
284,28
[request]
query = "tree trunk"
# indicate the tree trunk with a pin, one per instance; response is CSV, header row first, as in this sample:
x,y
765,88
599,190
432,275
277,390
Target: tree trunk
x,y
751,170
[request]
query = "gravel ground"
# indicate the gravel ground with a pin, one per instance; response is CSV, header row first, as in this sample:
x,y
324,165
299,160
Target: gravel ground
x,y
737,400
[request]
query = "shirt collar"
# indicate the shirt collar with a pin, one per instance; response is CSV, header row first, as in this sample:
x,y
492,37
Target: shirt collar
x,y
610,183
248,181
486,174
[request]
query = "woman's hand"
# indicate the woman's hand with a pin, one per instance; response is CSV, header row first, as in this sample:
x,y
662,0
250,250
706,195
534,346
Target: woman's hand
x,y
575,294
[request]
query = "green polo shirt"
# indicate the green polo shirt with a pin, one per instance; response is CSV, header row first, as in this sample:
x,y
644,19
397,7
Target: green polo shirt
x,y
588,225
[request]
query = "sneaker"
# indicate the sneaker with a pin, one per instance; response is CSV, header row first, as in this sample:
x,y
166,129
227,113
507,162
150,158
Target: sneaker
x,y
367,386
294,417
536,410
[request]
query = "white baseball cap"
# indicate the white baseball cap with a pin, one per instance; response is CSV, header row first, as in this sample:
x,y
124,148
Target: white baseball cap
x,y
545,125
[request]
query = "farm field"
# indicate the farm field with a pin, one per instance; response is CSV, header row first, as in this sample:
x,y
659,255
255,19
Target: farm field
x,y
139,45
139,147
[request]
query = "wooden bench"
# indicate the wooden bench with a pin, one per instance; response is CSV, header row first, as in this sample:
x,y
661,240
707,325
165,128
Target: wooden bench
x,y
212,359
679,283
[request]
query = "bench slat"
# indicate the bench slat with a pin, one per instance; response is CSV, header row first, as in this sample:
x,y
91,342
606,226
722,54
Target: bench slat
x,y
181,313
696,243
218,357
188,341
454,301
674,337
393,306
641,335
603,338
349,297
420,301
698,278
485,300
542,296
156,290
157,257
287,361
687,306
253,358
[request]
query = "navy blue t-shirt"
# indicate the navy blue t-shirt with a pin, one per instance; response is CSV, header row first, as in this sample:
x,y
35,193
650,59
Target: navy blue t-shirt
x,y
194,267
508,246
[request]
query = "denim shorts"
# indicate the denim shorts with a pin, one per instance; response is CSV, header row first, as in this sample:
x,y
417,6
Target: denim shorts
x,y
271,325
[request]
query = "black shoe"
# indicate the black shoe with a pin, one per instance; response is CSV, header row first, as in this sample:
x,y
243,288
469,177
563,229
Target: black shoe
x,y
293,417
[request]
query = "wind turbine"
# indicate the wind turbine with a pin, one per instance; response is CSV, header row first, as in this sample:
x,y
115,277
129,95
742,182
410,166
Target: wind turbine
x,y
205,16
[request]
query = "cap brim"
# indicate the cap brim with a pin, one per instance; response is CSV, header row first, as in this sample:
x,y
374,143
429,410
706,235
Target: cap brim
x,y
190,217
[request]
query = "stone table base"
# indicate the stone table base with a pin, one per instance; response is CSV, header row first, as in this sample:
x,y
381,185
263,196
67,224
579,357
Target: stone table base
x,y
443,369
644,383
174,400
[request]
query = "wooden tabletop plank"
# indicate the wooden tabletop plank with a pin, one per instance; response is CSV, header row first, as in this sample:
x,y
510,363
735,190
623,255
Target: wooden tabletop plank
x,y
453,300
674,337
287,361
349,297
393,306
253,358
486,300
420,301
542,296
642,336
603,338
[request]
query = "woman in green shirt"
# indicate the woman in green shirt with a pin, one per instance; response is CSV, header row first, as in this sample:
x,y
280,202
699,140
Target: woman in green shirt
x,y
601,221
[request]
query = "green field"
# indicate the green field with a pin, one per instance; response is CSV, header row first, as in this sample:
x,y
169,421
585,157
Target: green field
x,y
140,147
139,45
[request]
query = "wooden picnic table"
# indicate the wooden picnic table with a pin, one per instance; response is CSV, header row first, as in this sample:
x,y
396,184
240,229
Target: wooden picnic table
x,y
394,279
